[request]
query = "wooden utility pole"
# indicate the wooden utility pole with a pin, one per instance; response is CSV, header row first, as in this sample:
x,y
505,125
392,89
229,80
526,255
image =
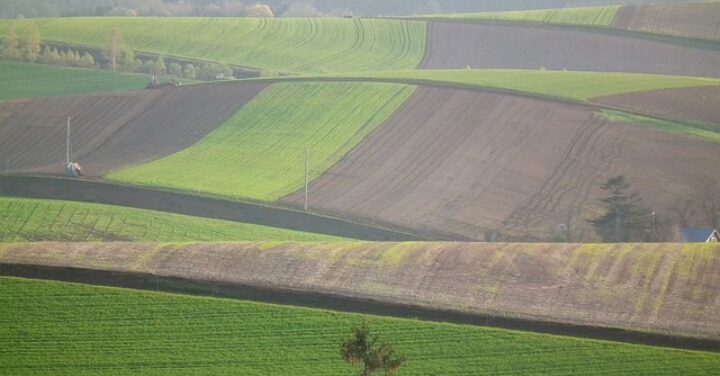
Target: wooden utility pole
x,y
307,155
67,144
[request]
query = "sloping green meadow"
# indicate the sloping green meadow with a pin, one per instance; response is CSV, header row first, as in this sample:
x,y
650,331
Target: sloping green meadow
x,y
287,45
259,153
21,80
23,220
572,85
586,16
69,329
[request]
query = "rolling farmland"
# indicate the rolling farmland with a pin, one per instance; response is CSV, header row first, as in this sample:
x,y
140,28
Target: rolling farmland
x,y
259,153
486,46
570,85
59,328
660,288
35,80
691,20
483,166
116,129
588,16
285,45
24,220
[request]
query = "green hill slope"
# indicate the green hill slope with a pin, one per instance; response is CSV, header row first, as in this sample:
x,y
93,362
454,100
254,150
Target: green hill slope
x,y
259,153
289,45
20,80
48,220
68,329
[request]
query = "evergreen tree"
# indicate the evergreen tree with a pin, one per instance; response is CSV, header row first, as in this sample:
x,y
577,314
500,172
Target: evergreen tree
x,y
626,217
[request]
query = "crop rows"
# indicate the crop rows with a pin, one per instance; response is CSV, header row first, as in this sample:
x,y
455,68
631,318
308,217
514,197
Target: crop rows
x,y
21,80
588,16
259,153
289,45
573,85
59,328
24,220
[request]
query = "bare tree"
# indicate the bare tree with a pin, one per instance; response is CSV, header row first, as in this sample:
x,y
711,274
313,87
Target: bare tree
x,y
683,211
710,203
115,48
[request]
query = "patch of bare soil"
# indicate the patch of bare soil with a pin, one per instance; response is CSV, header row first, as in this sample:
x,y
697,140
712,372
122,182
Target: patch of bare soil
x,y
696,104
670,289
111,131
456,45
480,165
693,20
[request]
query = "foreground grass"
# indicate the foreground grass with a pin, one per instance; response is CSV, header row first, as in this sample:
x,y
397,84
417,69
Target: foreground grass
x,y
69,329
289,45
569,85
49,220
707,132
259,153
587,16
21,80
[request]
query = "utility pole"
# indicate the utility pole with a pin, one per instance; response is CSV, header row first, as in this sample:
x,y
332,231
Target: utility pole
x,y
67,144
307,154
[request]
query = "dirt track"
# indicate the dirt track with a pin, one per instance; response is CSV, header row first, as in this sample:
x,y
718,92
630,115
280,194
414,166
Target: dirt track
x,y
695,104
173,202
114,130
473,163
635,287
508,46
693,20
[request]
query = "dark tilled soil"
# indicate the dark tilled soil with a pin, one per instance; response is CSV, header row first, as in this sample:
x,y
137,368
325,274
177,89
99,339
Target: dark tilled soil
x,y
457,45
694,104
692,20
111,131
478,165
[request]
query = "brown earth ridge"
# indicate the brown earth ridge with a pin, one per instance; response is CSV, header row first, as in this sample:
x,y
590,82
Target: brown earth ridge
x,y
661,288
693,20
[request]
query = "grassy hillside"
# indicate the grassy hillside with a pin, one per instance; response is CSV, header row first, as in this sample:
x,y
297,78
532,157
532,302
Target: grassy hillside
x,y
579,86
48,220
290,45
69,329
260,152
589,16
667,288
20,80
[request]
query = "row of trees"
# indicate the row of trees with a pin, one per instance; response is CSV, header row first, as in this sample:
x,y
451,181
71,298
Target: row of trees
x,y
26,45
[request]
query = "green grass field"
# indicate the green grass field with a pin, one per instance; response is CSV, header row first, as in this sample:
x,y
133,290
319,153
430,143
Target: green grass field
x,y
571,85
287,45
587,16
21,80
259,153
69,329
708,132
24,220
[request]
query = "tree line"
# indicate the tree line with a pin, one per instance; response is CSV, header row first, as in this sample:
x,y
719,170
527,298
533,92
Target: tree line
x,y
26,45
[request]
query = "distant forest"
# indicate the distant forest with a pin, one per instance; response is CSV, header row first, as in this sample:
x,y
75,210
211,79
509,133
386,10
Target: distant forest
x,y
278,8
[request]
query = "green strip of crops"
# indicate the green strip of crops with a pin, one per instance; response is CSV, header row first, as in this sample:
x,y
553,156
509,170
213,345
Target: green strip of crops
x,y
69,329
23,220
259,153
289,45
20,80
571,85
589,16
707,132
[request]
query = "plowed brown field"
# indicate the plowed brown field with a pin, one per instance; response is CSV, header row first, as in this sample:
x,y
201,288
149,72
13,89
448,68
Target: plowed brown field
x,y
697,104
477,164
669,288
507,46
693,20
111,131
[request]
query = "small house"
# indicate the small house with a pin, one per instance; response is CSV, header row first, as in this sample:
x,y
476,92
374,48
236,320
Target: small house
x,y
700,235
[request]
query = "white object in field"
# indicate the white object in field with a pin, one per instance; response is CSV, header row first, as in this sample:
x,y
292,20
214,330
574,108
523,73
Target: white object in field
x,y
73,170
